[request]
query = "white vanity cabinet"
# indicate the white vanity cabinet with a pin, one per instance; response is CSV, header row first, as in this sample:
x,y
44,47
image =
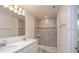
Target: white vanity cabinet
x,y
32,48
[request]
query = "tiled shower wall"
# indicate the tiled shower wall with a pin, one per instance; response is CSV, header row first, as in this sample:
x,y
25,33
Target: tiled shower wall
x,y
46,32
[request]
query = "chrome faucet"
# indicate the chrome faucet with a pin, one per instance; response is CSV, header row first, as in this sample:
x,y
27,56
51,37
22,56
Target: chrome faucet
x,y
3,43
24,39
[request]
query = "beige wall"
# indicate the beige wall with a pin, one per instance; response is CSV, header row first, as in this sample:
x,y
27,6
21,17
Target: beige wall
x,y
29,19
47,23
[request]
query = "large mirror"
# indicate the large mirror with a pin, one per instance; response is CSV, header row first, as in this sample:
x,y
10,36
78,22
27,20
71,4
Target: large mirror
x,y
11,23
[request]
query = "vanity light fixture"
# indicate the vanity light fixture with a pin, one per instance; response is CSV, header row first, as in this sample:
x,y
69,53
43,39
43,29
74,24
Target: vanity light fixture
x,y
15,8
23,12
19,13
11,8
16,11
20,9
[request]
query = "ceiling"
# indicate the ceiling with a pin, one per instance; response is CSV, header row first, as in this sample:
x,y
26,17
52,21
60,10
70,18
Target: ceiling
x,y
40,11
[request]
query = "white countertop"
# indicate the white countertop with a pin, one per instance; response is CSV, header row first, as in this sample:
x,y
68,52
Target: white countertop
x,y
13,47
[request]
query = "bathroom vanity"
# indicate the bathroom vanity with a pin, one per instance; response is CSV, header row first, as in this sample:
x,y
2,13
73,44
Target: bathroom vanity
x,y
27,46
12,32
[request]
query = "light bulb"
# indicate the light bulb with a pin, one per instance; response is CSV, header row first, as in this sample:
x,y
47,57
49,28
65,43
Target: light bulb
x,y
20,9
10,8
15,6
19,13
23,12
15,11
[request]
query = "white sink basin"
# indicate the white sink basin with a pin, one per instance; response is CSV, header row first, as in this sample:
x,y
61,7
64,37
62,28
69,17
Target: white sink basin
x,y
11,46
8,48
14,47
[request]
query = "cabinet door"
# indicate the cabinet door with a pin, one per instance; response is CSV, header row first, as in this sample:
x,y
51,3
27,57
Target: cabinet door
x,y
32,48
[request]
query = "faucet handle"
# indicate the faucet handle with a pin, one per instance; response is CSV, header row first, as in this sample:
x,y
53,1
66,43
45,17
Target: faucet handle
x,y
4,42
